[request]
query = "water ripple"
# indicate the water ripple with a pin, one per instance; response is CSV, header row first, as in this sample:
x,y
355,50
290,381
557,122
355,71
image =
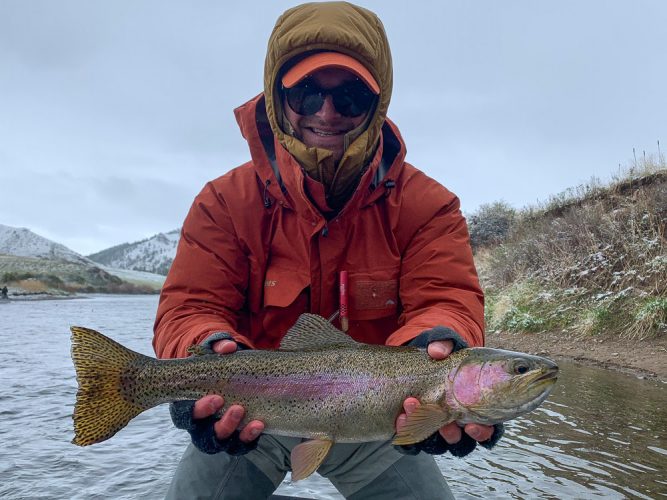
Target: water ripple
x,y
600,435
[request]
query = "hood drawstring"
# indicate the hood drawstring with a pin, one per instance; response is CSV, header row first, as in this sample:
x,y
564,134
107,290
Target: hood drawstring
x,y
267,200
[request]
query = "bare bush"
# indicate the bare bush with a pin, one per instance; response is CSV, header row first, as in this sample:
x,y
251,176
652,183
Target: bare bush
x,y
491,224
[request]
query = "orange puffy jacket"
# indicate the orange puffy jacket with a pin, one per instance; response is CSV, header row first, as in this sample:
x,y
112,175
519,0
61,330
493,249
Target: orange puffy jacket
x,y
255,253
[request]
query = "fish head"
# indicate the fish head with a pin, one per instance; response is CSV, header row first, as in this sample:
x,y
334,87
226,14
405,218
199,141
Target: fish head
x,y
490,386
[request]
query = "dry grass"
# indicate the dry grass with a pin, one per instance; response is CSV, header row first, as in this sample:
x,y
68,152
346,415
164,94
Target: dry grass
x,y
32,286
600,256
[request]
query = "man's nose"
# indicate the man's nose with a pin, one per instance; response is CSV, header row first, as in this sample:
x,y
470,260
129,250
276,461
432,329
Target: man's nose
x,y
328,110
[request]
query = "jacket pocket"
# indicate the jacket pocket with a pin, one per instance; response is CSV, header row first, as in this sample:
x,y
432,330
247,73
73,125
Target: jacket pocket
x,y
286,297
373,295
283,286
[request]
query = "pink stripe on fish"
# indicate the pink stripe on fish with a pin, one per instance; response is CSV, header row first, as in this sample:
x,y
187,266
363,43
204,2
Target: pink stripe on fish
x,y
312,386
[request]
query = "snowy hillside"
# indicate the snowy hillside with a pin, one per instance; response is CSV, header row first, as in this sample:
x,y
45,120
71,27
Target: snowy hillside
x,y
22,242
143,278
153,255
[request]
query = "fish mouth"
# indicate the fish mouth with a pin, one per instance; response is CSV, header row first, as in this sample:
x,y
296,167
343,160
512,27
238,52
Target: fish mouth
x,y
551,374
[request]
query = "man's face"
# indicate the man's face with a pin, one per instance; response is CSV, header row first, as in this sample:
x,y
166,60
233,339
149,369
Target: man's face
x,y
327,127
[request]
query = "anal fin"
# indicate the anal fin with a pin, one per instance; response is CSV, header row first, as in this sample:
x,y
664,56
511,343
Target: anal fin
x,y
421,423
307,457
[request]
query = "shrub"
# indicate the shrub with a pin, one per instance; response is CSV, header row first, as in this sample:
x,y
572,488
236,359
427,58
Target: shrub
x,y
522,321
491,224
16,276
52,281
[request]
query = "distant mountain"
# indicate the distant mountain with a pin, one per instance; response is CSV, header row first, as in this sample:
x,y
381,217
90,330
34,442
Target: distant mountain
x,y
22,242
31,265
153,255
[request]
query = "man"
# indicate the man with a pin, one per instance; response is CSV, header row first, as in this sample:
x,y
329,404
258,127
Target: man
x,y
327,190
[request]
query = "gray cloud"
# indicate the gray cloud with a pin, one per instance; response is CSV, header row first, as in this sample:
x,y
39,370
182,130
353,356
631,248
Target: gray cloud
x,y
114,114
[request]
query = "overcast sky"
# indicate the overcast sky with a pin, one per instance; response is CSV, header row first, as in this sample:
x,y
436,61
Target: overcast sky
x,y
113,114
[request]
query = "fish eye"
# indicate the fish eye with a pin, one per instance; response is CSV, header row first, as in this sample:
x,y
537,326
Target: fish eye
x,y
520,367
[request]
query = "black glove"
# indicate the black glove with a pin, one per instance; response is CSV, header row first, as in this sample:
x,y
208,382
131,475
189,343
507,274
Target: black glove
x,y
201,430
438,333
435,444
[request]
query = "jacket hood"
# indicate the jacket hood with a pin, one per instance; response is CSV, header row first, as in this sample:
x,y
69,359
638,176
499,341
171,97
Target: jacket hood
x,y
340,27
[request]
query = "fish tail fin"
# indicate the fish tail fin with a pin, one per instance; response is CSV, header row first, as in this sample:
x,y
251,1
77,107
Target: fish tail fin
x,y
101,408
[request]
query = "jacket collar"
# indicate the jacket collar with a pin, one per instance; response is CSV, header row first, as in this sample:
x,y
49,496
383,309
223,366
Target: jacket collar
x,y
282,178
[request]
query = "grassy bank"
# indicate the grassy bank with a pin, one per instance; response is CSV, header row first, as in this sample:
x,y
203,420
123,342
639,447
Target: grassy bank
x,y
591,261
29,276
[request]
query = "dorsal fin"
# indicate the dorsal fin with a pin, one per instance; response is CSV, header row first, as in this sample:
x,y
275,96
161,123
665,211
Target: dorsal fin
x,y
314,332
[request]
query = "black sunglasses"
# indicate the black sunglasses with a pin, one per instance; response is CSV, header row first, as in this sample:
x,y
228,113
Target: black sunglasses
x,y
350,99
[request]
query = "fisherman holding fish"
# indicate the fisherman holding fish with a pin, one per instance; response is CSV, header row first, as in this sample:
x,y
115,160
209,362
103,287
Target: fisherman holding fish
x,y
326,221
326,203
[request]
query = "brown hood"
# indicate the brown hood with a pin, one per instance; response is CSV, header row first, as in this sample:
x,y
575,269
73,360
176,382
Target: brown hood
x,y
341,27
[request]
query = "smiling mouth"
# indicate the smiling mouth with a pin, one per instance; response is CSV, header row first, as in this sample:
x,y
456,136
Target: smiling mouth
x,y
326,133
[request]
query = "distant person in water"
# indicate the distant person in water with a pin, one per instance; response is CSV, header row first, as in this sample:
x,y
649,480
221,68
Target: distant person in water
x,y
4,292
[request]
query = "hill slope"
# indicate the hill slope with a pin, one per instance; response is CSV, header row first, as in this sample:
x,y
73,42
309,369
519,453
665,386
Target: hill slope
x,y
153,255
587,265
31,265
22,242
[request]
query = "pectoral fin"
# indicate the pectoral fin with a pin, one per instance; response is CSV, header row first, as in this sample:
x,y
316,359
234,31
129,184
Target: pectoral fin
x,y
421,423
307,457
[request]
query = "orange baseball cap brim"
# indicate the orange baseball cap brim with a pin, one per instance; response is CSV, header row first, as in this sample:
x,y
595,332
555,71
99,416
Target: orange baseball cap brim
x,y
328,60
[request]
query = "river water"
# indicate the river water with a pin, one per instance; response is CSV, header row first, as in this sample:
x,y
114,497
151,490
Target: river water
x,y
600,434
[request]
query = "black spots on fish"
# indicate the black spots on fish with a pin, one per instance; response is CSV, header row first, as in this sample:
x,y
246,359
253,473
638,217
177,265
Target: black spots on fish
x,y
99,416
134,388
350,390
101,408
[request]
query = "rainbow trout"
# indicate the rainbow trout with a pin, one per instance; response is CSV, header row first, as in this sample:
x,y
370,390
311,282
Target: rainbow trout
x,y
320,384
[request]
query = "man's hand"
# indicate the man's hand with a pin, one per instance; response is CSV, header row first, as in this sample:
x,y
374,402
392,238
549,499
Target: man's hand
x,y
451,432
209,433
231,419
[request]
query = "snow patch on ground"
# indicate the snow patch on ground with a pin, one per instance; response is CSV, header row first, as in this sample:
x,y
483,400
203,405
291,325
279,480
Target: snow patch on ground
x,y
135,276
